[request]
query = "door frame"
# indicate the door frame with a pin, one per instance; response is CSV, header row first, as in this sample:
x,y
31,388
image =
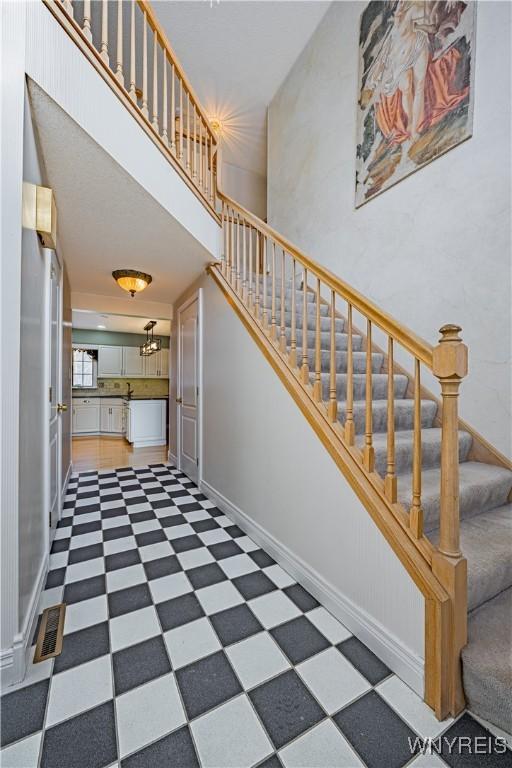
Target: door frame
x,y
196,296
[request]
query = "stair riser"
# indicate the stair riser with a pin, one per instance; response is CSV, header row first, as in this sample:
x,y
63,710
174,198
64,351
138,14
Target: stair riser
x,y
358,361
325,340
430,455
379,386
404,415
325,323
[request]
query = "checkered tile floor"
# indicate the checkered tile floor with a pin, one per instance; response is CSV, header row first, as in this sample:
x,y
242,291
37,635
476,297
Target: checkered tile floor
x,y
187,645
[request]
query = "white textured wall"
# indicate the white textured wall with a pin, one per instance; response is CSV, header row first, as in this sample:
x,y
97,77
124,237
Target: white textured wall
x,y
246,187
433,249
261,454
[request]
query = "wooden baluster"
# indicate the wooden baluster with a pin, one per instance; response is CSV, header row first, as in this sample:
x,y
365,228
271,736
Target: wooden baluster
x,y
144,108
68,7
390,483
212,175
257,246
104,31
416,512
224,239
194,143
265,311
189,145
165,136
238,255
368,452
273,324
200,173
180,148
244,261
173,109
250,296
119,50
132,91
282,335
154,122
206,172
293,334
333,395
317,386
233,248
86,28
350,432
305,361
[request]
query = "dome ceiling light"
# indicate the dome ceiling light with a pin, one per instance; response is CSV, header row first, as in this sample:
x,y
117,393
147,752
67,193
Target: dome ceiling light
x,y
131,280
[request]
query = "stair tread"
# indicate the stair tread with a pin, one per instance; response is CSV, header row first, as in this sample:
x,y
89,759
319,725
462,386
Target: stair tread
x,y
487,661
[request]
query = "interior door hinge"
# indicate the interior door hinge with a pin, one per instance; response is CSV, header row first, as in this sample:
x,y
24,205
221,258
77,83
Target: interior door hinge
x,y
197,460
50,394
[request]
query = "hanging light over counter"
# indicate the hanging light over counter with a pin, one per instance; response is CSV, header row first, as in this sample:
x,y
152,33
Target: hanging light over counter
x,y
131,280
151,345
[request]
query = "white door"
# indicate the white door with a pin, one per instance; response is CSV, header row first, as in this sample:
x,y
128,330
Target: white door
x,y
133,362
54,350
188,388
110,361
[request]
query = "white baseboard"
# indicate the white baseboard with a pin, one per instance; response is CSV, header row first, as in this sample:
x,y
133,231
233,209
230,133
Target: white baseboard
x,y
172,458
401,660
13,660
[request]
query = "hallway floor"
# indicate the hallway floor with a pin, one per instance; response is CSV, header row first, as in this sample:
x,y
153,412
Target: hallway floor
x,y
110,452
187,645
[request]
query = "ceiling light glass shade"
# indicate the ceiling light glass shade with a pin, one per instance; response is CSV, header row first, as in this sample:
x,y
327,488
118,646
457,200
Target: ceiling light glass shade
x,y
131,280
151,345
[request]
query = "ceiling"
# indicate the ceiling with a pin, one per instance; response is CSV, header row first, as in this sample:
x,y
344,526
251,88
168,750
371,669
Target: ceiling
x,y
106,220
95,321
236,55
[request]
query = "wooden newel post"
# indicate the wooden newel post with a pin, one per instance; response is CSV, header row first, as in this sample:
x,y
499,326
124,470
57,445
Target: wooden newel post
x,y
450,365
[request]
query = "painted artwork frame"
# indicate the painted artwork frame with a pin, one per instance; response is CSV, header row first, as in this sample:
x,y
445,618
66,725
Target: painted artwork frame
x,y
415,98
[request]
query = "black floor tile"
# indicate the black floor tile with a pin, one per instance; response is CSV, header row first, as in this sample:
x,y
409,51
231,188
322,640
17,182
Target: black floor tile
x,y
474,746
213,511
186,542
204,525
140,663
225,549
178,744
192,507
133,500
376,732
162,504
366,662
60,545
82,528
299,639
234,531
206,575
172,520
85,511
122,559
55,578
129,599
119,532
84,590
85,741
254,584
22,712
271,762
234,624
301,597
178,611
286,708
261,558
163,566
150,537
81,554
84,645
107,514
207,683
142,517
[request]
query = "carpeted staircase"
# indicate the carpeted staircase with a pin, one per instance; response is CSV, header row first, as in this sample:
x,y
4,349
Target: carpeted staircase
x,y
485,512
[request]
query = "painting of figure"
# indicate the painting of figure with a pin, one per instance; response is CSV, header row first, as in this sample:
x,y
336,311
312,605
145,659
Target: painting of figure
x,y
415,87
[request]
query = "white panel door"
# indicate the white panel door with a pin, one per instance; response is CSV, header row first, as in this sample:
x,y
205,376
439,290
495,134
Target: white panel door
x,y
133,362
54,349
188,390
110,361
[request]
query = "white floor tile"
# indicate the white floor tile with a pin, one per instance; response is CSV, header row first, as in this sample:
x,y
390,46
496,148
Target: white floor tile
x,y
169,586
89,517
280,578
58,560
230,736
78,689
85,613
142,507
223,521
190,642
178,531
115,522
218,597
273,609
333,679
330,627
146,525
166,511
154,551
34,673
147,713
86,540
50,597
257,659
214,537
194,517
195,557
125,577
23,754
247,544
133,627
322,747
237,565
85,570
88,501
427,761
119,545
106,504
63,533
411,708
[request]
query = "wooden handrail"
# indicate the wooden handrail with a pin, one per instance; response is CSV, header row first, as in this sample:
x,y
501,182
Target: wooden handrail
x,y
419,348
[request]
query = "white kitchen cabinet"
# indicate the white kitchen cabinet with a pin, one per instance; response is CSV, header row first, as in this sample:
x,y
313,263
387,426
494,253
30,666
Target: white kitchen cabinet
x,y
111,416
164,364
133,362
156,366
110,361
146,422
116,419
85,416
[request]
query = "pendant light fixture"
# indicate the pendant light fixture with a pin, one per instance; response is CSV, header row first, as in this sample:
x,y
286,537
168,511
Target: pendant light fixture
x,y
151,345
131,280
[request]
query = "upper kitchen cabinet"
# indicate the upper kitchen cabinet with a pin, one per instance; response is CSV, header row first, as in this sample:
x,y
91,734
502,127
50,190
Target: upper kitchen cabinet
x,y
110,361
133,362
156,366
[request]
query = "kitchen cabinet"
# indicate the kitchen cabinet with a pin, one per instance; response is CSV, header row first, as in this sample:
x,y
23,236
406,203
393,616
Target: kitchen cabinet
x,y
146,422
156,366
110,361
127,362
85,416
111,416
133,362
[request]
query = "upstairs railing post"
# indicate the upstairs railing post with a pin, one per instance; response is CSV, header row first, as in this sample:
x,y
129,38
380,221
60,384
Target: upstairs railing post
x,y
450,365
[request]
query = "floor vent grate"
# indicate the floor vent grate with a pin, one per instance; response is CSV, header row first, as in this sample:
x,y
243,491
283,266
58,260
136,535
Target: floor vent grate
x,y
49,637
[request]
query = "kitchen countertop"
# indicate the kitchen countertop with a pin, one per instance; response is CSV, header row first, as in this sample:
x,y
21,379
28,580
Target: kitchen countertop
x,y
119,397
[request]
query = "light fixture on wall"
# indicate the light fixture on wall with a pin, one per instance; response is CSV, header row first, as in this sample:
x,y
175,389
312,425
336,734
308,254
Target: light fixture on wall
x,y
131,280
151,345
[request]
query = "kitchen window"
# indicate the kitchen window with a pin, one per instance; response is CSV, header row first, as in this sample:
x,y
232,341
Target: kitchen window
x,y
85,368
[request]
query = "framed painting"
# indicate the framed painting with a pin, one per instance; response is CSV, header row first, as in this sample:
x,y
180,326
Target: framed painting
x,y
416,92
